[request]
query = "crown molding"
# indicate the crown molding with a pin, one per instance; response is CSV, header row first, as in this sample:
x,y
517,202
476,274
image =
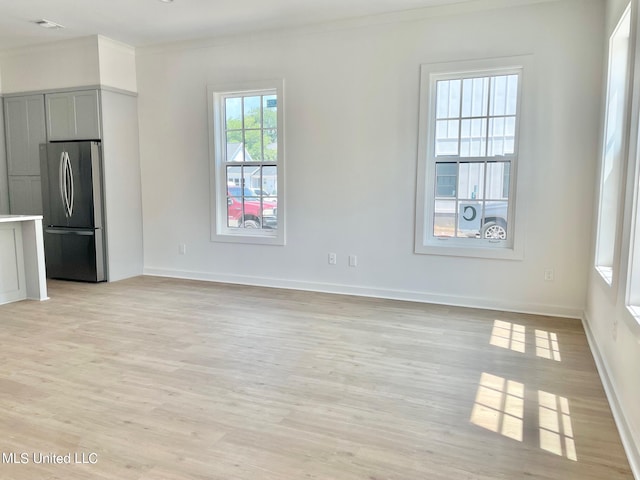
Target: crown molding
x,y
461,8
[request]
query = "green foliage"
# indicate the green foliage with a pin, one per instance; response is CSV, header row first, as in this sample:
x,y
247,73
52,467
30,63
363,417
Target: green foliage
x,y
253,132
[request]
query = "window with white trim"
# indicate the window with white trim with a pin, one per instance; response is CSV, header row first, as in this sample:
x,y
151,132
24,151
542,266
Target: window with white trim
x,y
614,149
633,283
247,161
468,155
632,294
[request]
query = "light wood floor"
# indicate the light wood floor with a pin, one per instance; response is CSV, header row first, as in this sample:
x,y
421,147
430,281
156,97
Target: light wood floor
x,y
168,380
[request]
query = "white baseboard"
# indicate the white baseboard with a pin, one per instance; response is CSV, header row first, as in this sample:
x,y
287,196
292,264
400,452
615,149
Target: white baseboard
x,y
627,435
407,295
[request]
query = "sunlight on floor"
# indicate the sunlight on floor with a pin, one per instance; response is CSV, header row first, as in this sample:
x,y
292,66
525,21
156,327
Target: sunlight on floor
x,y
499,406
547,345
508,335
513,337
556,431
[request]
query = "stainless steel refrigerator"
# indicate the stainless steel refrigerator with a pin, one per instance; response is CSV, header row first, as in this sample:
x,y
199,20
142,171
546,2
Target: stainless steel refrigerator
x,y
72,207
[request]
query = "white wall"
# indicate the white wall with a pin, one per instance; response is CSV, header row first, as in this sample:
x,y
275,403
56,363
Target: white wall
x,y
69,63
613,333
351,145
117,64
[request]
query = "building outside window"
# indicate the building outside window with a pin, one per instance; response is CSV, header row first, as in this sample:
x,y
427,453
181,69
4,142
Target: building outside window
x,y
469,122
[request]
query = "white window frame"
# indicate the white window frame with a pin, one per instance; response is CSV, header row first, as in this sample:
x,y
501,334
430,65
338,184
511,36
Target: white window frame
x,y
425,242
220,231
609,220
632,294
632,192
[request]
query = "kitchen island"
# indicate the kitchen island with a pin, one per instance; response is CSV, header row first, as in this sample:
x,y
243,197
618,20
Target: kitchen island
x,y
22,268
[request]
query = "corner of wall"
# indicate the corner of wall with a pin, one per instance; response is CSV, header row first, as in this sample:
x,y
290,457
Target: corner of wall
x,y
627,434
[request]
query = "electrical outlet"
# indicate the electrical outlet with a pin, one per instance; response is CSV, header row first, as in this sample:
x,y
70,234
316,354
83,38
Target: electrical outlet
x,y
549,275
353,260
182,249
333,259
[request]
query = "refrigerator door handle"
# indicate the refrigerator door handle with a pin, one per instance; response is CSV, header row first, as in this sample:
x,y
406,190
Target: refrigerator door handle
x,y
63,182
66,184
70,186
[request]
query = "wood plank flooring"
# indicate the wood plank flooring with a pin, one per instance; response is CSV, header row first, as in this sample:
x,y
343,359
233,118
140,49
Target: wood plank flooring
x,y
165,379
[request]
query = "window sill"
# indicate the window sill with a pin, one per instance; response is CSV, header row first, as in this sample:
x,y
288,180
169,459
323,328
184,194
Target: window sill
x,y
498,253
634,311
606,273
243,237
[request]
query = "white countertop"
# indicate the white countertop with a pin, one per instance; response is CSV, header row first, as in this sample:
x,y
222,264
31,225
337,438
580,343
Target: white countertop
x,y
19,218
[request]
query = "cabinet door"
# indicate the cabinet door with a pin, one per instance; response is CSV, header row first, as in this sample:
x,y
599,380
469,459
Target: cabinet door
x,y
25,195
25,131
60,122
73,115
86,115
12,273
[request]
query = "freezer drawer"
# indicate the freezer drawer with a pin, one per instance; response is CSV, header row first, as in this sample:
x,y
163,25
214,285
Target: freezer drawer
x,y
74,254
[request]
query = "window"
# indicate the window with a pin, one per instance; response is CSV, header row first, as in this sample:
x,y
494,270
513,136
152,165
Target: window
x,y
633,285
247,162
468,157
632,297
614,150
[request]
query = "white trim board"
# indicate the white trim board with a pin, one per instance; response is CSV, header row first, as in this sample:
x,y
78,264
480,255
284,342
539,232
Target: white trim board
x,y
363,291
627,435
70,89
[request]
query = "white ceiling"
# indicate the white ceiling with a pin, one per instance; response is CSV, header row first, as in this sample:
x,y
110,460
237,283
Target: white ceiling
x,y
147,22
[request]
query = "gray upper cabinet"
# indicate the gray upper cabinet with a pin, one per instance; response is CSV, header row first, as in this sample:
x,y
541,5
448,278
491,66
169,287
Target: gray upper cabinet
x,y
73,115
25,131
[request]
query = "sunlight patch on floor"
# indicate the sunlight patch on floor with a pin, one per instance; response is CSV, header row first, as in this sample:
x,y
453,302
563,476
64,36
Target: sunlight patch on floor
x,y
499,406
508,335
556,431
547,345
